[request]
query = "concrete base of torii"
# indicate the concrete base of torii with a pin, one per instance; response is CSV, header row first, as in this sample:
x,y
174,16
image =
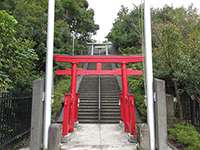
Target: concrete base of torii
x,y
98,137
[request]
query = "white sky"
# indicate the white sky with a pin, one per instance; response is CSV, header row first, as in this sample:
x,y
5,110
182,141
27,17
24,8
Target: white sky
x,y
106,11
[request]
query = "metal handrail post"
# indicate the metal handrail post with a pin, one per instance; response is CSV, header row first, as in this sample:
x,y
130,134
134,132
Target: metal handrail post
x,y
99,100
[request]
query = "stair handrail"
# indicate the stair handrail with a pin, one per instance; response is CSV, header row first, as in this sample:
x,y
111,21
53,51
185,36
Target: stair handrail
x,y
99,100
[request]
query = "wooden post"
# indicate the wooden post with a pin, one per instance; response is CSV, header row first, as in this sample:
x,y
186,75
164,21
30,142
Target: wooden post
x,y
73,96
171,120
125,97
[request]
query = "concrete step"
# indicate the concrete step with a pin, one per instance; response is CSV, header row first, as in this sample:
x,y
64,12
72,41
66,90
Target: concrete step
x,y
91,117
102,113
110,110
109,106
86,100
96,101
106,110
88,120
89,97
99,137
117,113
88,110
88,104
88,107
110,101
102,98
88,94
91,90
98,122
88,113
106,103
103,118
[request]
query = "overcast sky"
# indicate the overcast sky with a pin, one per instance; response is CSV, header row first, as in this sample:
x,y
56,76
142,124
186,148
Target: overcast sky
x,y
106,11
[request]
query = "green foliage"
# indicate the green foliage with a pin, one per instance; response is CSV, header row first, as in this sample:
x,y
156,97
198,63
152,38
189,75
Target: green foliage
x,y
136,85
17,55
71,16
176,48
23,35
79,17
126,33
186,135
137,88
62,86
130,51
80,20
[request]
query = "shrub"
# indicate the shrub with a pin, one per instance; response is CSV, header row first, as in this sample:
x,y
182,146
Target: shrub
x,y
186,135
61,87
137,88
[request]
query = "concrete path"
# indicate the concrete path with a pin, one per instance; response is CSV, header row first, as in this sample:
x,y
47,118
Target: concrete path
x,y
98,137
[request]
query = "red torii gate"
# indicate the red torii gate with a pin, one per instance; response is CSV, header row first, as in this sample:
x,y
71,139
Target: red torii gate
x,y
127,106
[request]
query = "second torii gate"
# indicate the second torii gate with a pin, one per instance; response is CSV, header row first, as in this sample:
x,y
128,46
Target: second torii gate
x,y
127,106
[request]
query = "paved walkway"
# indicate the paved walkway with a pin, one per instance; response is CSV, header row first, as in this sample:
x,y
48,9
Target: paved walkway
x,y
99,137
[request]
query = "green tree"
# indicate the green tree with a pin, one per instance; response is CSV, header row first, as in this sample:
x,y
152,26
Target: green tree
x,y
17,57
176,35
71,16
176,47
127,31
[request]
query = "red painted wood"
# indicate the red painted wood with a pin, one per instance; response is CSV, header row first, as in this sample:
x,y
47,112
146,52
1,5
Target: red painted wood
x,y
66,116
125,96
98,59
122,108
113,72
132,116
76,108
73,96
99,66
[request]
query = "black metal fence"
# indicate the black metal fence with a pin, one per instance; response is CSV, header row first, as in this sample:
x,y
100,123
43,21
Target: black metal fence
x,y
15,117
191,110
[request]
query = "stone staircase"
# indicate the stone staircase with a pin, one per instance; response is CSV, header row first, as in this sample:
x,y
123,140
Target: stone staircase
x,y
110,112
89,99
88,106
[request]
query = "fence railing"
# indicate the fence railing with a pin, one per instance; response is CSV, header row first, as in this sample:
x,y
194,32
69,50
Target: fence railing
x,y
15,117
191,110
